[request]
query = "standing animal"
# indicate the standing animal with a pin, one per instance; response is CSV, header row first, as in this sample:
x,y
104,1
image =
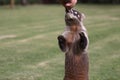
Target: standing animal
x,y
74,42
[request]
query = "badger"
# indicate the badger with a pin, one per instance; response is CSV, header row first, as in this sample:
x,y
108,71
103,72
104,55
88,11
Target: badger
x,y
74,43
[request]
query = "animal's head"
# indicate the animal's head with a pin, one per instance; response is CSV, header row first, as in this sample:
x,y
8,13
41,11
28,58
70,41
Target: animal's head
x,y
73,38
73,17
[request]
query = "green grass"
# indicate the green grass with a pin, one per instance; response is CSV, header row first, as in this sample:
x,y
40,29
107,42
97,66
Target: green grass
x,y
28,43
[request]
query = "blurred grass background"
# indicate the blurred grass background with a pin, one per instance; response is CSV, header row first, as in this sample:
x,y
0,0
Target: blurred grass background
x,y
29,49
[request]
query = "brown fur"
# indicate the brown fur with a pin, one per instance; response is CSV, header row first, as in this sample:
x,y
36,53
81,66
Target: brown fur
x,y
76,66
74,43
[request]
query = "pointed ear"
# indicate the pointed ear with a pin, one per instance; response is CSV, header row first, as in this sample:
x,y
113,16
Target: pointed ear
x,y
62,43
82,16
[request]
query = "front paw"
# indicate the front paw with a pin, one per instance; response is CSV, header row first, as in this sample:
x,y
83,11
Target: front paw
x,y
62,43
83,40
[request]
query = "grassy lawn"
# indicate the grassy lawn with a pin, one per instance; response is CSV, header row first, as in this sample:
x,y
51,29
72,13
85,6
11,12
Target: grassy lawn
x,y
28,43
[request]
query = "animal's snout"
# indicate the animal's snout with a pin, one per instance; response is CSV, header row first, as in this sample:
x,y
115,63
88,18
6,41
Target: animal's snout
x,y
69,16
